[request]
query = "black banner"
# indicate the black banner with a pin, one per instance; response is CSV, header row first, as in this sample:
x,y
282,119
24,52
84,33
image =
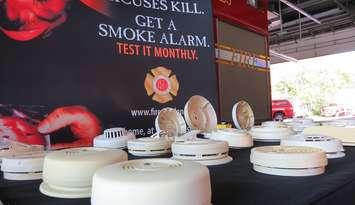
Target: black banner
x,y
120,60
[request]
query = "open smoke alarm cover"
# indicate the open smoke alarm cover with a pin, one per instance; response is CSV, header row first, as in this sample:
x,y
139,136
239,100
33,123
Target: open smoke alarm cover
x,y
299,124
288,160
243,115
23,166
204,151
332,147
68,173
152,181
271,131
243,118
157,144
171,122
113,138
9,148
345,134
200,115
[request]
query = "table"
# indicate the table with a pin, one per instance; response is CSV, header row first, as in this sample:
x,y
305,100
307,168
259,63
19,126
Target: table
x,y
234,183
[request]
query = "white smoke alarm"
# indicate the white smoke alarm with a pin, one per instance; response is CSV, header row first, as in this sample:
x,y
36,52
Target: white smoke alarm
x,y
113,138
332,147
299,124
341,123
288,160
345,134
68,173
23,166
153,182
204,151
171,122
243,118
12,148
271,131
157,144
235,138
201,118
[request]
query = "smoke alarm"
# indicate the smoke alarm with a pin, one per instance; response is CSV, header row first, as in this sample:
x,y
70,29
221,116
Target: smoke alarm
x,y
68,173
243,118
288,160
171,122
299,124
332,147
276,124
152,181
235,138
345,134
9,148
205,151
271,131
157,144
341,123
201,118
113,138
23,167
200,115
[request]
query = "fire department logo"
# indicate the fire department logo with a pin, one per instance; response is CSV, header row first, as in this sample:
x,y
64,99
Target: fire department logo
x,y
161,84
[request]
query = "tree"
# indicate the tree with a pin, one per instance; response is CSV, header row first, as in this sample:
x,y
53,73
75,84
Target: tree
x,y
315,87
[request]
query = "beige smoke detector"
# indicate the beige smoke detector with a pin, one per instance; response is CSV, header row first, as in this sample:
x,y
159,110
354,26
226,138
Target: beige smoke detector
x,y
345,134
157,144
23,166
288,160
331,146
299,124
68,173
9,148
201,118
205,151
271,131
153,182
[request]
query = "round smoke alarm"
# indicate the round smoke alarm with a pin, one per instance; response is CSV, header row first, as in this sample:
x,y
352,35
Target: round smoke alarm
x,y
299,124
235,138
345,134
332,147
271,131
341,123
113,138
152,181
204,151
23,166
288,160
199,114
68,173
10,148
170,121
243,115
150,146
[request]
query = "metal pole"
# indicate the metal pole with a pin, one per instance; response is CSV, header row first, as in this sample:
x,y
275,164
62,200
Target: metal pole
x,y
301,11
